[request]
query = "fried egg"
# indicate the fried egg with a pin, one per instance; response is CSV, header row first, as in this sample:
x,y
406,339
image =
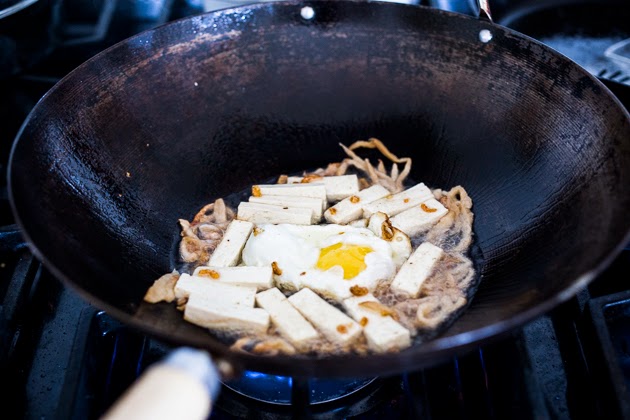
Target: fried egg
x,y
332,260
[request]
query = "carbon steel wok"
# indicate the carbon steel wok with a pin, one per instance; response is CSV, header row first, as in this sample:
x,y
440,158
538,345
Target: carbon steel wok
x,y
161,124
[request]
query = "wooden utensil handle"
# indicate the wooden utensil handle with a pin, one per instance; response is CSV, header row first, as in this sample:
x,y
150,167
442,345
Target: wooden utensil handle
x,y
181,387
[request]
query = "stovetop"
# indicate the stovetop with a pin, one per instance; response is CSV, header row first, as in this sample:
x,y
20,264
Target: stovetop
x,y
62,358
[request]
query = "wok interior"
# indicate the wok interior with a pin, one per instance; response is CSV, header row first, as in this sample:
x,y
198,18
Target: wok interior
x,y
156,127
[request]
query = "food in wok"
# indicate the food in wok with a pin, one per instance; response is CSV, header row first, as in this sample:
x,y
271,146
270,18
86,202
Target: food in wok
x,y
347,258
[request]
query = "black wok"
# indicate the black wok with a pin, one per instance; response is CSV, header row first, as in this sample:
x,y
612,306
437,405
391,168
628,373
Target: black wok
x,y
159,125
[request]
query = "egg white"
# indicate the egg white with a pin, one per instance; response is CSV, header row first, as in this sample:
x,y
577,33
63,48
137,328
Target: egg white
x,y
296,249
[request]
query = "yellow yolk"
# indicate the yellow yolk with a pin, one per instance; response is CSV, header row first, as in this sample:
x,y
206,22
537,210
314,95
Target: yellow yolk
x,y
350,257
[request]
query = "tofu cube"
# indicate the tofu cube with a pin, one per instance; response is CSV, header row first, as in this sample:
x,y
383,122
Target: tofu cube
x,y
210,312
316,205
330,321
419,218
259,277
416,270
266,213
228,252
287,320
337,187
382,332
188,285
351,208
397,203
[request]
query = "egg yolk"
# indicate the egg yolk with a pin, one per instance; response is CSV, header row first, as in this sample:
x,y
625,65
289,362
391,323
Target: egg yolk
x,y
350,257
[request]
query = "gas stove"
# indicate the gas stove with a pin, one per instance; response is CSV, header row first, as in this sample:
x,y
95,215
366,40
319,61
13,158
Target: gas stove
x,y
60,357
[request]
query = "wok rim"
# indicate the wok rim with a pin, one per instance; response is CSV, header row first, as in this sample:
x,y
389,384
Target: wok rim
x,y
414,357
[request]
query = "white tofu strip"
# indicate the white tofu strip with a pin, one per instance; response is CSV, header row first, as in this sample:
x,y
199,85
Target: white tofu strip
x,y
287,320
351,208
208,312
382,332
416,269
316,205
337,187
400,202
266,213
330,321
419,218
259,277
228,252
188,285
294,190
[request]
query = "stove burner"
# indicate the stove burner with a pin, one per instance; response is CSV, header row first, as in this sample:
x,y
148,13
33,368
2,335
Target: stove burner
x,y
593,34
61,358
619,52
278,390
